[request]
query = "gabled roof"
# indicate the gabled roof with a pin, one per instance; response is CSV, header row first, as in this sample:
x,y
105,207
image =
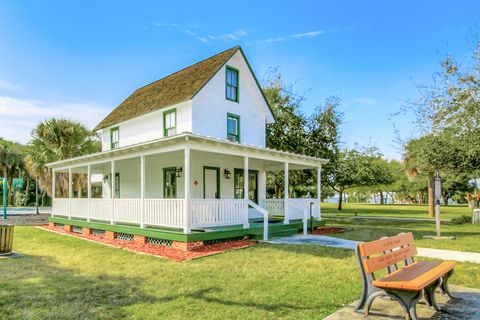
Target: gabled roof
x,y
179,86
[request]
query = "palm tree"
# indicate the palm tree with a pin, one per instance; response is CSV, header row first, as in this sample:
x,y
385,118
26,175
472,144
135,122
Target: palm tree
x,y
11,163
55,140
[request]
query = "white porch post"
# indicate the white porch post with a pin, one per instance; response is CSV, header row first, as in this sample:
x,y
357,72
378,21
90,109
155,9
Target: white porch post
x,y
245,190
70,193
319,189
187,205
53,191
142,191
285,205
89,190
112,195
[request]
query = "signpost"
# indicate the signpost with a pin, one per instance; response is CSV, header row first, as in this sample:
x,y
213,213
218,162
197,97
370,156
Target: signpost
x,y
4,193
438,196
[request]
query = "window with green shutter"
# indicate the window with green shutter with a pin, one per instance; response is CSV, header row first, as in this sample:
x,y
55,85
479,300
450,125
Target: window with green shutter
x,y
170,122
232,84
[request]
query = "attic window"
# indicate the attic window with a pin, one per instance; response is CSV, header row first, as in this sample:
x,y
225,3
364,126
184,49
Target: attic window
x,y
114,138
233,127
170,122
232,84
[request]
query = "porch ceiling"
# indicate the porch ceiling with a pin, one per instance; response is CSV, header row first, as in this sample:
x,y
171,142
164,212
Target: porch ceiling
x,y
194,142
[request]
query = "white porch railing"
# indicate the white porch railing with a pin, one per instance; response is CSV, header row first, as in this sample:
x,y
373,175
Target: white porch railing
x,y
79,208
164,212
265,218
101,209
275,207
218,212
61,206
128,210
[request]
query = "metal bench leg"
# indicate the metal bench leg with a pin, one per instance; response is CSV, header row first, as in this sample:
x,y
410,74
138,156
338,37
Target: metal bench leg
x,y
429,294
444,285
408,300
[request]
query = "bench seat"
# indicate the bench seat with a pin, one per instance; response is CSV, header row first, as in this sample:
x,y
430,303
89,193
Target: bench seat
x,y
416,276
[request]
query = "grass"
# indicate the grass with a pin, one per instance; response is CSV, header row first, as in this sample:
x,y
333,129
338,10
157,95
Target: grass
x,y
467,235
69,278
392,210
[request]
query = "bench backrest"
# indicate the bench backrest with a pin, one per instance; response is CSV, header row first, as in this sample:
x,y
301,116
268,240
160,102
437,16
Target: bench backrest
x,y
382,253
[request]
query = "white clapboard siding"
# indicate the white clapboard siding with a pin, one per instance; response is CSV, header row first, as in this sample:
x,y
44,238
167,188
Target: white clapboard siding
x,y
218,212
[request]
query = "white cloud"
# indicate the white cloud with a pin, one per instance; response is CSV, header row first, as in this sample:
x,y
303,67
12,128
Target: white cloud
x,y
304,35
5,85
231,36
165,25
364,101
19,116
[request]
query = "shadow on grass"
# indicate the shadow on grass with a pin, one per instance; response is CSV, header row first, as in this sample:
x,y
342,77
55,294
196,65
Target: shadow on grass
x,y
35,287
313,250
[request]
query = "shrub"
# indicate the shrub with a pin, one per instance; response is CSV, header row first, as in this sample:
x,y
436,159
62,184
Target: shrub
x,y
462,220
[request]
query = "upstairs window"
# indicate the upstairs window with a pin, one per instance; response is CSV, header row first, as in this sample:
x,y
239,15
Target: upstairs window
x,y
232,84
114,138
233,127
170,122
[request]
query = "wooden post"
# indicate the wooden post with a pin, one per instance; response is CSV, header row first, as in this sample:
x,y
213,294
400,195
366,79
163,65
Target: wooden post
x,y
89,190
112,185
53,191
285,198
142,191
319,190
70,193
245,190
187,205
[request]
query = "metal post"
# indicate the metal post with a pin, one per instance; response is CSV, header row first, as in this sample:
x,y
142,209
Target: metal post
x,y
438,194
36,196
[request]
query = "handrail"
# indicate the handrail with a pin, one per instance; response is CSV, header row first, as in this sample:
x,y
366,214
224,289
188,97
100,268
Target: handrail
x,y
305,215
265,217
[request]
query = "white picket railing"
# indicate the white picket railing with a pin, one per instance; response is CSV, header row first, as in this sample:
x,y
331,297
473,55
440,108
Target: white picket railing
x,y
60,207
297,212
101,209
265,217
218,212
79,208
305,203
164,212
276,207
128,210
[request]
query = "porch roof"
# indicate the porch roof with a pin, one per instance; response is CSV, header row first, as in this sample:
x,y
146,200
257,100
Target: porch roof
x,y
194,142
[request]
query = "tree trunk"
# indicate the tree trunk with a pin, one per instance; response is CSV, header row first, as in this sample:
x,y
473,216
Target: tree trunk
x,y
374,198
382,199
340,200
431,196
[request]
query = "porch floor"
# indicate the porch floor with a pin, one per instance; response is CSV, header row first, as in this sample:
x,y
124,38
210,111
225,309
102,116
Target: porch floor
x,y
276,228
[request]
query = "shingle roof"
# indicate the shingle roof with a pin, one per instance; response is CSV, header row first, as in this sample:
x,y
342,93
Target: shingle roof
x,y
177,87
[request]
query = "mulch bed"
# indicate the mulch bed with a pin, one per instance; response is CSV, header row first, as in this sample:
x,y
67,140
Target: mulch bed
x,y
26,219
327,230
159,250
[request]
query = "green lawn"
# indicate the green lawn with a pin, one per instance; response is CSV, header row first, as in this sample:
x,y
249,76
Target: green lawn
x,y
392,210
69,278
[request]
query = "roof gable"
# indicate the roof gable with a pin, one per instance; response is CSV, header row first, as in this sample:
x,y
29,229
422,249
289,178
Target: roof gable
x,y
177,87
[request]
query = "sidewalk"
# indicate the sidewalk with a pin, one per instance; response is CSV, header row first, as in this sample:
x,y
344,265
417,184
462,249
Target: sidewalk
x,y
382,218
350,244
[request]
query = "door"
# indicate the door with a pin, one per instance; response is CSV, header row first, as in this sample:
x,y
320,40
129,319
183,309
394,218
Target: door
x,y
211,183
170,182
252,185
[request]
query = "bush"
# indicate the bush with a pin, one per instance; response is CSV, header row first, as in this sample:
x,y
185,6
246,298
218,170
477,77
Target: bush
x,y
462,220
21,198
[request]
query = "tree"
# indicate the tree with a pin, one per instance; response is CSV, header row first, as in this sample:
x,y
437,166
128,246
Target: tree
x,y
357,168
55,140
11,162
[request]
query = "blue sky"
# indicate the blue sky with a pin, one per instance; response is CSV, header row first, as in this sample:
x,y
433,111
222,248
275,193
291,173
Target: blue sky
x,y
80,59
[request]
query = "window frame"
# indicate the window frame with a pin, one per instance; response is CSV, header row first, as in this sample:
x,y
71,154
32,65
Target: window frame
x,y
236,117
174,171
165,129
237,88
114,145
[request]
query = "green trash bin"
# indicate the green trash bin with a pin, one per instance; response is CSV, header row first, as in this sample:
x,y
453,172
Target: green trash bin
x,y
6,238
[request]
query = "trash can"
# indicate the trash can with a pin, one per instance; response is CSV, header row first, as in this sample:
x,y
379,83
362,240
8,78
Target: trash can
x,y
6,238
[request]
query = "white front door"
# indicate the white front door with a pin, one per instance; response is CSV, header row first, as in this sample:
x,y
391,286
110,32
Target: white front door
x,y
211,183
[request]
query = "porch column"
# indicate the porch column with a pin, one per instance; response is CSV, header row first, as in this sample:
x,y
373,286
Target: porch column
x,y
285,198
53,191
112,195
319,189
187,204
89,190
142,191
70,193
245,190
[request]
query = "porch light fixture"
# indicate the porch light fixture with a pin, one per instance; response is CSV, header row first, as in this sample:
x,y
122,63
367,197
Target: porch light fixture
x,y
227,173
179,172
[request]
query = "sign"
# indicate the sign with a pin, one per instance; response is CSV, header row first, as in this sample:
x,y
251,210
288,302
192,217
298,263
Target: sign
x,y
18,183
438,187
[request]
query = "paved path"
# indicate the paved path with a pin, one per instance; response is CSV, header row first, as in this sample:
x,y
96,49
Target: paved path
x,y
465,305
26,210
383,218
350,244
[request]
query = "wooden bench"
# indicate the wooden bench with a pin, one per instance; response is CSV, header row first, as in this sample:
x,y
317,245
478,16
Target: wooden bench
x,y
405,280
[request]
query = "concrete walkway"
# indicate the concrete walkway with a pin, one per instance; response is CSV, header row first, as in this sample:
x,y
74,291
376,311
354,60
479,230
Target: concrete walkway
x,y
464,306
350,244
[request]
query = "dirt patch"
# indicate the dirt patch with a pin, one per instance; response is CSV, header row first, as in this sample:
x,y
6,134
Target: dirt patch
x,y
26,219
159,250
327,230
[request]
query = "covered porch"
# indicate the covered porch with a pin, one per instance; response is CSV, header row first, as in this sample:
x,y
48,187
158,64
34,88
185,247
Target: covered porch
x,y
144,186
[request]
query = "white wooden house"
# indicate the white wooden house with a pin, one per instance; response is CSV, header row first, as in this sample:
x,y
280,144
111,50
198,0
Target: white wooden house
x,y
174,157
